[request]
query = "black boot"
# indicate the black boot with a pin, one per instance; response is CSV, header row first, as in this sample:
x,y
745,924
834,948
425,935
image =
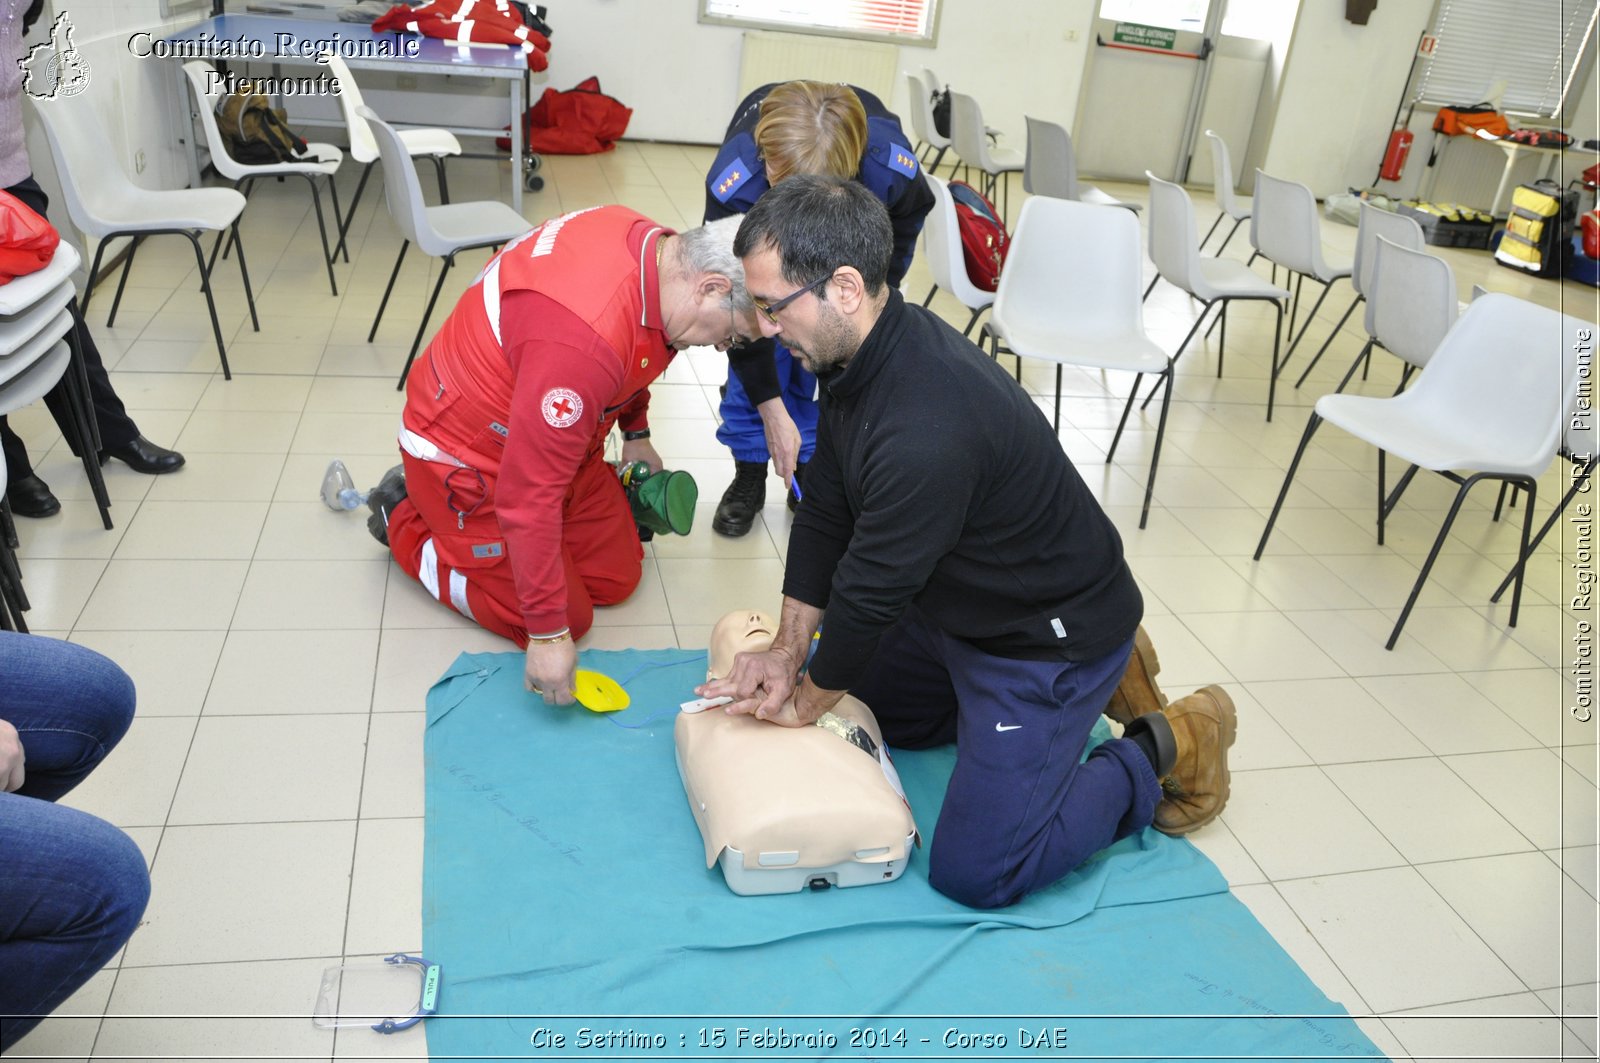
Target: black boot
x,y
793,501
382,500
742,500
31,497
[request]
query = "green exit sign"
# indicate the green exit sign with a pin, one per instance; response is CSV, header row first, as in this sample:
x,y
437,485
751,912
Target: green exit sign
x,y
1144,36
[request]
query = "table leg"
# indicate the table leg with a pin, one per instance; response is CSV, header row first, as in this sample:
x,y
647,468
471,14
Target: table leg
x,y
516,144
1505,179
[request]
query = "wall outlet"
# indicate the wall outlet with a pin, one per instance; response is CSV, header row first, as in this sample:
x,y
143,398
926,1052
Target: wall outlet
x,y
1071,35
138,161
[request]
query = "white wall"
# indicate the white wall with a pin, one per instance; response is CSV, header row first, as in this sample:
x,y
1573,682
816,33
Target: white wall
x,y
1340,85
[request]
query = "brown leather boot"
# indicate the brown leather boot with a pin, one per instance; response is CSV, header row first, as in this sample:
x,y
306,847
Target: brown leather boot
x,y
1138,694
1196,788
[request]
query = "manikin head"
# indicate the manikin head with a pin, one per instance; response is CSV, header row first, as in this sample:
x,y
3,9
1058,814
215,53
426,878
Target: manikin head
x,y
741,631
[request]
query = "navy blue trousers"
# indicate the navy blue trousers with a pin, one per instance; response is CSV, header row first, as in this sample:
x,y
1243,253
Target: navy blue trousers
x,y
1021,811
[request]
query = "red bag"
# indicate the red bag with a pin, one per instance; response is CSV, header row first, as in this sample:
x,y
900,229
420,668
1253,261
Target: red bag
x,y
27,240
983,236
1461,121
581,121
1591,234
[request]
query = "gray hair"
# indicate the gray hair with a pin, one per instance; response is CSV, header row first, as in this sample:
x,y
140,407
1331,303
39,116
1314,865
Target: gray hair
x,y
709,249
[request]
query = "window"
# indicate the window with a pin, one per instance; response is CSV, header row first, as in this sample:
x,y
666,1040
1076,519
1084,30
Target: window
x,y
1534,46
1187,15
897,20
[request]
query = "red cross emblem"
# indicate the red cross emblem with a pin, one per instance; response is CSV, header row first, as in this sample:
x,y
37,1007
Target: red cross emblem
x,y
562,407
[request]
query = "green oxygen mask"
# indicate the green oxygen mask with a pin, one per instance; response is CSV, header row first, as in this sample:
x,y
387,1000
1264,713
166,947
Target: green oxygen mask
x,y
661,501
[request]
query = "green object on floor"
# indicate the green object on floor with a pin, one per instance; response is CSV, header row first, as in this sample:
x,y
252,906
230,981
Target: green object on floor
x,y
663,501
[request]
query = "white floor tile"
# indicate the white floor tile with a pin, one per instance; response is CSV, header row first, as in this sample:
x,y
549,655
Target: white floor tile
x,y
1335,720
1516,1025
1283,817
277,673
261,769
164,594
1425,810
1539,794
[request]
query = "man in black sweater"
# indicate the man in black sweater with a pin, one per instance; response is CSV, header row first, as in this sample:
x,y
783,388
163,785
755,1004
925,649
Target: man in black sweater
x,y
974,590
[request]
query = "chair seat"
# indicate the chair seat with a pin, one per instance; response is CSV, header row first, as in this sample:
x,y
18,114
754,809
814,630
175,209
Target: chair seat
x,y
1432,438
1135,353
1091,194
429,142
1228,278
1336,268
1004,160
461,225
320,158
26,290
141,210
1236,212
19,384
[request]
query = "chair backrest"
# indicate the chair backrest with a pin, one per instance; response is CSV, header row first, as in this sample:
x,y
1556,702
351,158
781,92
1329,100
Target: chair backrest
x,y
931,82
922,113
1284,225
1074,262
1222,178
401,187
941,240
1174,248
1049,168
91,179
1373,223
1412,303
966,131
1509,370
363,147
208,90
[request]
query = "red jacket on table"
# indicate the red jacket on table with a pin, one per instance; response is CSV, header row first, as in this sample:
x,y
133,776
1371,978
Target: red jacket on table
x,y
554,343
469,22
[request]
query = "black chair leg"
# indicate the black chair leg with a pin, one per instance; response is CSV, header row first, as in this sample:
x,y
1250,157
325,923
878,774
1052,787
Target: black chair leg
x,y
244,275
127,265
401,257
1579,485
1365,353
1433,555
931,293
211,304
1277,342
322,227
1216,222
81,429
94,271
350,213
973,320
1225,239
444,186
1150,288
8,526
1155,458
1288,478
339,223
422,328
1315,358
1126,409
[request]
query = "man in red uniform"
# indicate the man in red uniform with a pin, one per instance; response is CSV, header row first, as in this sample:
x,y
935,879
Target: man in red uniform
x,y
510,514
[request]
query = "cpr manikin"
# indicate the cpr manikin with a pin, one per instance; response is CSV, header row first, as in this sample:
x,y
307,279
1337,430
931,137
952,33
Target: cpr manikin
x,y
786,808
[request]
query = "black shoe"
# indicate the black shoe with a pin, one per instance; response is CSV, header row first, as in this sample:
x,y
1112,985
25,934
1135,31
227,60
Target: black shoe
x,y
141,455
382,500
793,501
31,497
742,500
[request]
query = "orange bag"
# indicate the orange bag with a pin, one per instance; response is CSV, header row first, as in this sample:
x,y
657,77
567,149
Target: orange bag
x,y
27,240
1460,121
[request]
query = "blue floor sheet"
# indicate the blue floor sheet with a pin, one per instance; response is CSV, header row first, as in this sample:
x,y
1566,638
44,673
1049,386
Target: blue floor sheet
x,y
565,895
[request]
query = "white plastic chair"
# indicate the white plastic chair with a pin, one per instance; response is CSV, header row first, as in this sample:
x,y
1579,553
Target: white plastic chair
x,y
1372,222
321,160
922,122
941,242
1213,281
969,138
1050,167
1411,306
38,311
436,144
1222,189
104,204
442,232
1286,230
1579,446
1070,294
1492,400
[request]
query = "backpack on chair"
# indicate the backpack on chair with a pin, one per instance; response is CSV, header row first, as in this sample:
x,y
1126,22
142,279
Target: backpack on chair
x,y
983,236
257,134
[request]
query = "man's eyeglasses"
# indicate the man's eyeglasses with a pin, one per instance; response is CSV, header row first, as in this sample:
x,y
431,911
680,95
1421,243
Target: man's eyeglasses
x,y
771,309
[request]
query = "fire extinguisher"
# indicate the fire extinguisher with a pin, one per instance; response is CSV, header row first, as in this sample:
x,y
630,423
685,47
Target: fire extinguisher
x,y
1394,157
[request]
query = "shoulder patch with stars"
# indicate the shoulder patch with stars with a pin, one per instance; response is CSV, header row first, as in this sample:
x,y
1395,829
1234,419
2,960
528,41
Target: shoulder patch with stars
x,y
901,160
726,183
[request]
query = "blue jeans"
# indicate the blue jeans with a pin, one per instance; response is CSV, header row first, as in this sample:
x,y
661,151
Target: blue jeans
x,y
1021,810
742,430
72,887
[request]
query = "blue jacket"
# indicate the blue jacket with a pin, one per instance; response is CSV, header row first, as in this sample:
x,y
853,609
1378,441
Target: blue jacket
x,y
889,169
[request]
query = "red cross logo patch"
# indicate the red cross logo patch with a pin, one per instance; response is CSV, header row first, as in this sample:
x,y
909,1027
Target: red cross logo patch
x,y
562,407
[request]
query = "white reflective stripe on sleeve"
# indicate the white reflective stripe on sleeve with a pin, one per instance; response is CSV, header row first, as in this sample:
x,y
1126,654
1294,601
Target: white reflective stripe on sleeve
x,y
491,297
424,449
428,570
464,34
458,594
465,9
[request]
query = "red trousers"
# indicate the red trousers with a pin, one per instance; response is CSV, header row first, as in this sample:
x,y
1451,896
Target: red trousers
x,y
600,551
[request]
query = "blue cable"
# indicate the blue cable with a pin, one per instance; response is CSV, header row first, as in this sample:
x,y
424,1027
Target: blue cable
x,y
663,714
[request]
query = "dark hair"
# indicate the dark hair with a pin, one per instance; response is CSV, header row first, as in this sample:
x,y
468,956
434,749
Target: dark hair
x,y
817,224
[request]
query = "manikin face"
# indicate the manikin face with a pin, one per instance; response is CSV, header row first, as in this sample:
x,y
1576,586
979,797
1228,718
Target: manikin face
x,y
745,631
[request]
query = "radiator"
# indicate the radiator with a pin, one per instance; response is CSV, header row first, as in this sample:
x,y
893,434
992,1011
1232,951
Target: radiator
x,y
769,57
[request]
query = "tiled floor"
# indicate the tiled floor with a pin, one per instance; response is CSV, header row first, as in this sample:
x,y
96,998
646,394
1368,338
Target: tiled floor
x,y
1416,827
